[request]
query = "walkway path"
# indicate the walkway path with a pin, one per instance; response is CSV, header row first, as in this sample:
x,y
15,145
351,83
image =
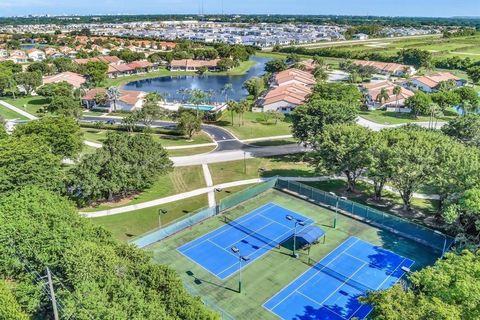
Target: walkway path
x,y
177,197
209,181
18,110
211,189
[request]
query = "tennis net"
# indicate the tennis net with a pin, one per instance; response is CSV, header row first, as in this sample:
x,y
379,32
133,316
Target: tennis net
x,y
252,233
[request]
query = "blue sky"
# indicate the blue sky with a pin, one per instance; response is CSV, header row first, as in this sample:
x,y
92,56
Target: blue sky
x,y
444,8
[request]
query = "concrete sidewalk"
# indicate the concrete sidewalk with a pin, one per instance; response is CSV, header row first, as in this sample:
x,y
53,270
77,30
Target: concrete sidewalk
x,y
18,110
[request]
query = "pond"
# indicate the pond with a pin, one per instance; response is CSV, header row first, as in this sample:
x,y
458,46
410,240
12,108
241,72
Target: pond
x,y
170,86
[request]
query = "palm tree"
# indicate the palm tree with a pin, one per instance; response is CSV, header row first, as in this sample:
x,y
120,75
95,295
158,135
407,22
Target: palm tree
x,y
232,106
382,96
113,94
396,91
228,87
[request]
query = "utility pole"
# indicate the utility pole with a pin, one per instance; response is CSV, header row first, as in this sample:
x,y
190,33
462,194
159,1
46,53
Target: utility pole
x,y
52,295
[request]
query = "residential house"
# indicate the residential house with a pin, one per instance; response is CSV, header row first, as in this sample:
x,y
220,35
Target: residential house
x,y
284,98
394,102
36,55
193,65
387,68
431,82
18,56
110,60
74,79
291,76
128,101
309,65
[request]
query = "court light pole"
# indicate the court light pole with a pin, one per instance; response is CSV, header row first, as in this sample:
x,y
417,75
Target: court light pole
x,y
240,259
160,213
298,222
444,242
336,209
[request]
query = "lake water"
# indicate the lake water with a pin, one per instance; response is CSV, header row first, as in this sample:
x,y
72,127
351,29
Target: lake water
x,y
171,85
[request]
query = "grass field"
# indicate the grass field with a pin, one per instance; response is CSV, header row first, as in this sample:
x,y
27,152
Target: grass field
x,y
131,224
254,126
8,114
438,46
386,117
190,151
287,166
181,179
127,225
32,105
273,271
365,191
99,135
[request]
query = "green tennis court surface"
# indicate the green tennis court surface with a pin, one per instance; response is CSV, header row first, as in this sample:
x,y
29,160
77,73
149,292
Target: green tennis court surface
x,y
273,271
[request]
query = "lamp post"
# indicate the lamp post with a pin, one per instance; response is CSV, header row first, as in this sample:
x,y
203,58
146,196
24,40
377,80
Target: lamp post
x,y
298,222
244,162
240,259
160,213
444,242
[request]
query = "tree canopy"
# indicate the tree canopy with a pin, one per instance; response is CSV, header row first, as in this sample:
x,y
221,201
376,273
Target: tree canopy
x,y
126,163
95,277
447,290
61,134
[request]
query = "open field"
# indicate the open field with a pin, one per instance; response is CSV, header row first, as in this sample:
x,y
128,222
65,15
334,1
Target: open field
x,y
267,275
181,179
32,105
131,224
286,166
438,46
127,225
254,125
190,151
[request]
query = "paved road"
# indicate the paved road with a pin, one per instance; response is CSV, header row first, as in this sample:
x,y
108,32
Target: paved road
x,y
224,139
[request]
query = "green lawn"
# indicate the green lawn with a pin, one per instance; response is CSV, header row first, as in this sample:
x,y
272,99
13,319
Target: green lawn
x,y
190,151
131,224
8,114
254,126
181,179
274,142
386,117
33,105
273,271
288,166
99,135
364,192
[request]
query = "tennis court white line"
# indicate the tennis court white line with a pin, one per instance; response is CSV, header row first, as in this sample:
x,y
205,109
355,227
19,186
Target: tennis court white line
x,y
301,275
254,232
321,305
260,212
265,207
267,244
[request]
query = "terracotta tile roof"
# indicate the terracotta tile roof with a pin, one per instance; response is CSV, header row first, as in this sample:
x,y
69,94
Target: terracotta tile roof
x,y
296,75
105,59
141,64
294,93
126,96
382,66
435,79
74,79
374,89
190,63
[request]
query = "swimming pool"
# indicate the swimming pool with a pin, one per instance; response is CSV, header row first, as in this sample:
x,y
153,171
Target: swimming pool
x,y
201,107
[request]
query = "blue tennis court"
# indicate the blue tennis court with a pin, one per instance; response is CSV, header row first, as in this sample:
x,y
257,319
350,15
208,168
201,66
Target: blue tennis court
x,y
331,288
253,234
